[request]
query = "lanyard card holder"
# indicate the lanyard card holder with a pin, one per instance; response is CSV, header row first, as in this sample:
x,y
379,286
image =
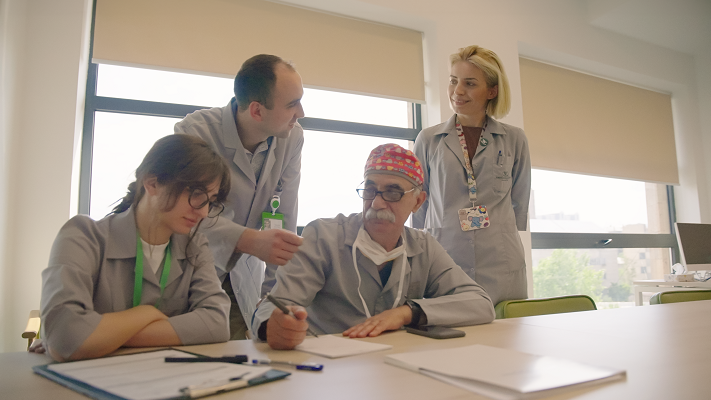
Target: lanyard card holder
x,y
272,221
473,218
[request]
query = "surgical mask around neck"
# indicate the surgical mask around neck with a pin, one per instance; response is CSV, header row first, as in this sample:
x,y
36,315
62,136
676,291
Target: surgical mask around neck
x,y
374,251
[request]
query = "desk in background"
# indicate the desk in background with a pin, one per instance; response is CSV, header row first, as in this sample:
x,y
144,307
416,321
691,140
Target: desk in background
x,y
659,285
665,349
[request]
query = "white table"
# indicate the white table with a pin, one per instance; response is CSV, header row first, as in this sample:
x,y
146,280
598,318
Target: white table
x,y
658,285
664,349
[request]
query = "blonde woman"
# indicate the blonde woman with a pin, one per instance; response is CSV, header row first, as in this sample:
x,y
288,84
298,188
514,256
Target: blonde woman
x,y
478,177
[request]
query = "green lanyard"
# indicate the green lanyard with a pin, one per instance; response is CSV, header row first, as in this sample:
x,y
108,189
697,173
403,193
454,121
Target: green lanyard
x,y
138,282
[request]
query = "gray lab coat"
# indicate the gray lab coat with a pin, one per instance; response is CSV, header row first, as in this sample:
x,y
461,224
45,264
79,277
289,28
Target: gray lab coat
x,y
321,277
247,199
493,256
91,272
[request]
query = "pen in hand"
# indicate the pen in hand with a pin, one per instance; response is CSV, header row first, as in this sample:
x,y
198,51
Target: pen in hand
x,y
285,310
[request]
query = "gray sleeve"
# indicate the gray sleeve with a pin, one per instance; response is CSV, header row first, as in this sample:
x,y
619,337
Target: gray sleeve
x,y
452,298
223,234
67,308
207,319
297,282
521,184
418,218
289,182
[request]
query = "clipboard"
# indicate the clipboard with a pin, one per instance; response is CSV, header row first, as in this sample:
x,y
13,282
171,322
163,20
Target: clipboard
x,y
174,376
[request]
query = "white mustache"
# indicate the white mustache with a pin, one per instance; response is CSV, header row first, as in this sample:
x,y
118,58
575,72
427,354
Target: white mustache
x,y
380,214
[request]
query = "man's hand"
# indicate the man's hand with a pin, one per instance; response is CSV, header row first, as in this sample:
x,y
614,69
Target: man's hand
x,y
273,246
385,321
284,332
37,346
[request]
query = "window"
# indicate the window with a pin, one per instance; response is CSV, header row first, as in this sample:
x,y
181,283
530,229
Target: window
x,y
120,143
133,107
595,236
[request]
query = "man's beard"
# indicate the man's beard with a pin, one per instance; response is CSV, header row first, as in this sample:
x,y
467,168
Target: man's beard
x,y
380,214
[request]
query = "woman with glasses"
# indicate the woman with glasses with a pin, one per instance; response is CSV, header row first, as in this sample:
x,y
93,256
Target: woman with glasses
x,y
478,177
142,276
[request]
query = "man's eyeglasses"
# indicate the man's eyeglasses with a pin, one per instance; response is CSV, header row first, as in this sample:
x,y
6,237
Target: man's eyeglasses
x,y
387,195
199,199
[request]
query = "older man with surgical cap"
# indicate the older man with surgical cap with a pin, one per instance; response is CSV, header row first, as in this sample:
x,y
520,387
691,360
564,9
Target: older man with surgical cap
x,y
367,273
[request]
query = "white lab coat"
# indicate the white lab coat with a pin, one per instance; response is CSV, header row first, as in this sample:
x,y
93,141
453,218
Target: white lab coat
x,y
493,256
247,199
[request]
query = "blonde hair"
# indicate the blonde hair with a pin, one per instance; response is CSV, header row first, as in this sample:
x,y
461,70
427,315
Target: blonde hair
x,y
492,67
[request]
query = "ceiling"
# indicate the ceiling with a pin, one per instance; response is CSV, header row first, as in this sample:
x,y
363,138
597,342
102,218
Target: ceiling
x,y
682,25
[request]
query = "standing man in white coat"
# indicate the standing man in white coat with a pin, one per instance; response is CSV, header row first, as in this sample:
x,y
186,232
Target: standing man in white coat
x,y
258,135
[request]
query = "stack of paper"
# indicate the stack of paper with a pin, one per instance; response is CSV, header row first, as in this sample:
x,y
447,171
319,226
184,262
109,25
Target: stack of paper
x,y
502,373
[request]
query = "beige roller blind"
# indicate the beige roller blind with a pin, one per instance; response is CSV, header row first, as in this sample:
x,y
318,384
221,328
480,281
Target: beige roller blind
x,y
581,123
216,36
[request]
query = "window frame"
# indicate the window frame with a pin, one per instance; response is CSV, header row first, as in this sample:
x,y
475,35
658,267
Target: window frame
x,y
95,103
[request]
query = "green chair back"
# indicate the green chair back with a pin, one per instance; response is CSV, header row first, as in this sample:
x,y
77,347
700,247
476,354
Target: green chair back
x,y
678,296
550,305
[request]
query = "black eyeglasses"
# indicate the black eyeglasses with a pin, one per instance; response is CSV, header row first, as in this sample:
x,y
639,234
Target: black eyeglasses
x,y
199,199
391,196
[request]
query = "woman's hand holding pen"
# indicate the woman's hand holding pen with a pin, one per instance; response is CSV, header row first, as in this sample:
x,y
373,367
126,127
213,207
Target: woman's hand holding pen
x,y
285,332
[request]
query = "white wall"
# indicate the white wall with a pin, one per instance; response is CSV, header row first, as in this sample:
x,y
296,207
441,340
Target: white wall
x,y
43,50
44,56
703,77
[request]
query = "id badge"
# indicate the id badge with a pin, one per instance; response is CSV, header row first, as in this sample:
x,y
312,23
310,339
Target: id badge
x,y
473,218
272,221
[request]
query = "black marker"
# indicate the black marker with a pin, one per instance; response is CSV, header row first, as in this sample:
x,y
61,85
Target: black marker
x,y
227,359
285,310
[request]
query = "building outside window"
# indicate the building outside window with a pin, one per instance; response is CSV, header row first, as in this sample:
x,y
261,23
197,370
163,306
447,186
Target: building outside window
x,y
593,207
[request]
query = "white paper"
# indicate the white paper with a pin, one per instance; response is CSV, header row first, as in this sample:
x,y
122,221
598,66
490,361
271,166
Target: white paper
x,y
336,347
502,373
147,376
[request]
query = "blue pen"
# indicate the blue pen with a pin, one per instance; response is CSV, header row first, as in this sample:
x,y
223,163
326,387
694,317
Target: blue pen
x,y
308,366
501,157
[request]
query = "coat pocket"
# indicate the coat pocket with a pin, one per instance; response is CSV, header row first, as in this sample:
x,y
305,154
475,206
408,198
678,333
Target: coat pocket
x,y
502,178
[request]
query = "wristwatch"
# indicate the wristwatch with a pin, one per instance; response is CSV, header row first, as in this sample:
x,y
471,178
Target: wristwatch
x,y
418,316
